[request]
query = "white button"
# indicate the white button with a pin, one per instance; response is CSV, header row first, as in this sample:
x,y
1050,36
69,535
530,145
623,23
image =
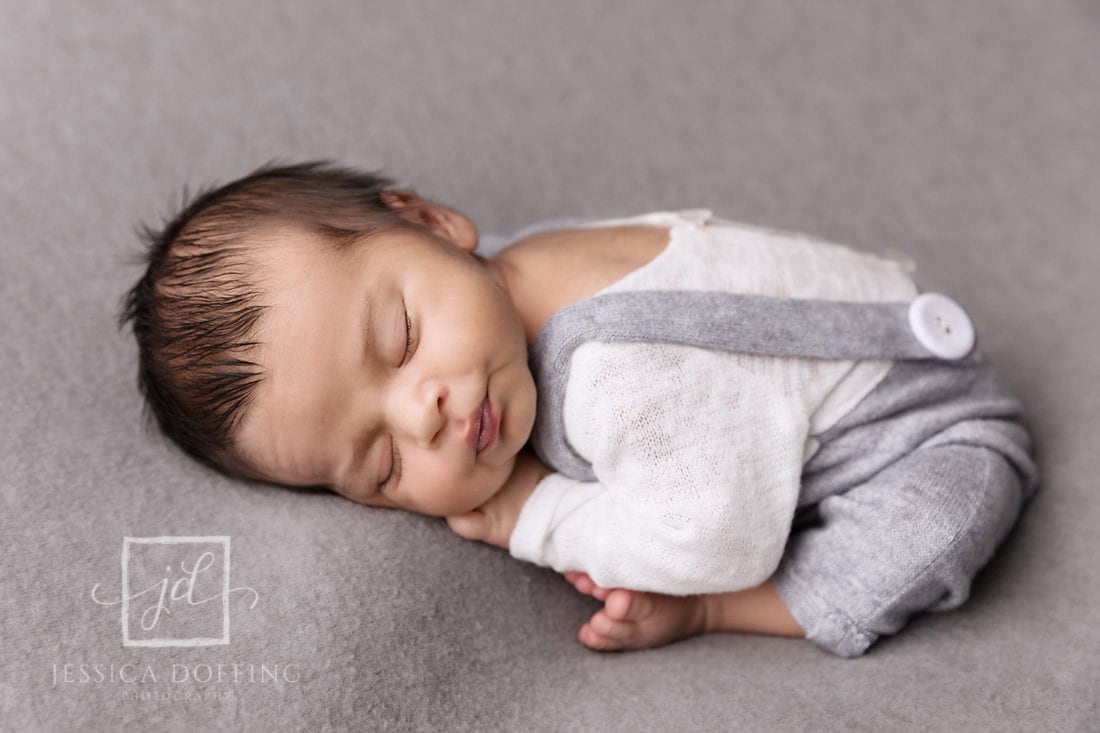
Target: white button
x,y
941,326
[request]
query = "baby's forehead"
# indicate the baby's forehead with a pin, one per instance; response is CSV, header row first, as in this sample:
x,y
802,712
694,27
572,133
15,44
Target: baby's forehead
x,y
284,255
315,281
312,295
280,237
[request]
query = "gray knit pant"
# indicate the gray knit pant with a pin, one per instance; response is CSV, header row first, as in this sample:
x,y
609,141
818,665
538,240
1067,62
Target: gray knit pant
x,y
905,500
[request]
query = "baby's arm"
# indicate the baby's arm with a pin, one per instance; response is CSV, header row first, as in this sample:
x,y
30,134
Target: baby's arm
x,y
493,521
630,619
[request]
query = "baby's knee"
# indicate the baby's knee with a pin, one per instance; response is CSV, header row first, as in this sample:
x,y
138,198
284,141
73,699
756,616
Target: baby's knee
x,y
981,499
984,504
910,541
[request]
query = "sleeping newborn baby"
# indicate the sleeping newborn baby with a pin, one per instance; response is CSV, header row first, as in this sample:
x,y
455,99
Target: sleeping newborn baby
x,y
706,426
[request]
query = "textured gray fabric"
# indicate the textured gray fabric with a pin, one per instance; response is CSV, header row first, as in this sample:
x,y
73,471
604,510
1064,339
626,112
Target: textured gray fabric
x,y
961,132
748,324
904,502
909,540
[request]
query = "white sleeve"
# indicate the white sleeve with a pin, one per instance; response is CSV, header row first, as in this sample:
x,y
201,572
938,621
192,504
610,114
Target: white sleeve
x,y
697,481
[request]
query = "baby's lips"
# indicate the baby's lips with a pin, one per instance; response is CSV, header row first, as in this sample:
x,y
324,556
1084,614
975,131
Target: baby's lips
x,y
488,426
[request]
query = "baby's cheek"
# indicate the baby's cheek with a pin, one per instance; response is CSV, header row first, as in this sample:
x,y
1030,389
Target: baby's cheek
x,y
468,492
437,490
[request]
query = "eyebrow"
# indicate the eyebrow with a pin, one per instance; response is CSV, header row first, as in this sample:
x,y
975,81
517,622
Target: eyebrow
x,y
365,326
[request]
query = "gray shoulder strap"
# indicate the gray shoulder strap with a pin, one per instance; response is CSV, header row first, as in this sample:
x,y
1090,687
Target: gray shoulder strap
x,y
748,324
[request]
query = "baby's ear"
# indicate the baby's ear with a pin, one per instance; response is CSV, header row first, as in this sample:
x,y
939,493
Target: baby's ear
x,y
445,222
400,199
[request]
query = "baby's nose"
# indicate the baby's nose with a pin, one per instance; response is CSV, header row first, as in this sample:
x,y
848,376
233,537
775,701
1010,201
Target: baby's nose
x,y
424,412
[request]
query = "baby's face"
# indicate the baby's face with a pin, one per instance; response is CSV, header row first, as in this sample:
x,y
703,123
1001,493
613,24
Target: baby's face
x,y
395,372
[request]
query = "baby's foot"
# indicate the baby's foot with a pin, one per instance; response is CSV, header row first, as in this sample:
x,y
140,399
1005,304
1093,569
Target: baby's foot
x,y
637,620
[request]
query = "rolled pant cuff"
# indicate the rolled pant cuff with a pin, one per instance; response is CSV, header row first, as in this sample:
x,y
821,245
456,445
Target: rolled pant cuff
x,y
824,625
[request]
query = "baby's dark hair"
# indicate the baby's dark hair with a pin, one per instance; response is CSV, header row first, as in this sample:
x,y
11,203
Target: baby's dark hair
x,y
194,311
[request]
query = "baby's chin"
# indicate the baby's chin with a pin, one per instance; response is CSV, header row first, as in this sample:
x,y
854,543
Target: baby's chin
x,y
499,479
495,483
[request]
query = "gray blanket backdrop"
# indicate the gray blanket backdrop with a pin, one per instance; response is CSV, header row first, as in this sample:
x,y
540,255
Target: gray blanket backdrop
x,y
961,132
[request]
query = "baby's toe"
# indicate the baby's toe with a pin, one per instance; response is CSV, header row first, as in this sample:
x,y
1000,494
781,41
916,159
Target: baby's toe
x,y
622,632
586,585
628,605
595,640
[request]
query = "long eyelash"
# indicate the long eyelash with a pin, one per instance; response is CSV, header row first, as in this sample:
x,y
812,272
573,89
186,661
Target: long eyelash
x,y
395,469
408,336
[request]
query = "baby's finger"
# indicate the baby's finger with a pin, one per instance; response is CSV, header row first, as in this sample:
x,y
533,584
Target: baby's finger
x,y
599,593
579,580
572,578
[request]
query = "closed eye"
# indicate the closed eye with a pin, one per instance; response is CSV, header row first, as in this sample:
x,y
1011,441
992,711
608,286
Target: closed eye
x,y
395,468
409,341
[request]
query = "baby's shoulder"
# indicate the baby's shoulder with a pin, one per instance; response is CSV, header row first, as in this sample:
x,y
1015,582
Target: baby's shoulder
x,y
552,269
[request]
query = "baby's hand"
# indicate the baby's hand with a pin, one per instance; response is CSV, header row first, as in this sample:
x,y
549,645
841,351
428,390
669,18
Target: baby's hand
x,y
493,521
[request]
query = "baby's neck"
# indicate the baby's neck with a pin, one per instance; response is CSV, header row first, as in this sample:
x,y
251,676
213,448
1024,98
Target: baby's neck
x,y
550,270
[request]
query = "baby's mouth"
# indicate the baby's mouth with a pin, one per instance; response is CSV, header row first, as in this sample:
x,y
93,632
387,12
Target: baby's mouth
x,y
487,426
